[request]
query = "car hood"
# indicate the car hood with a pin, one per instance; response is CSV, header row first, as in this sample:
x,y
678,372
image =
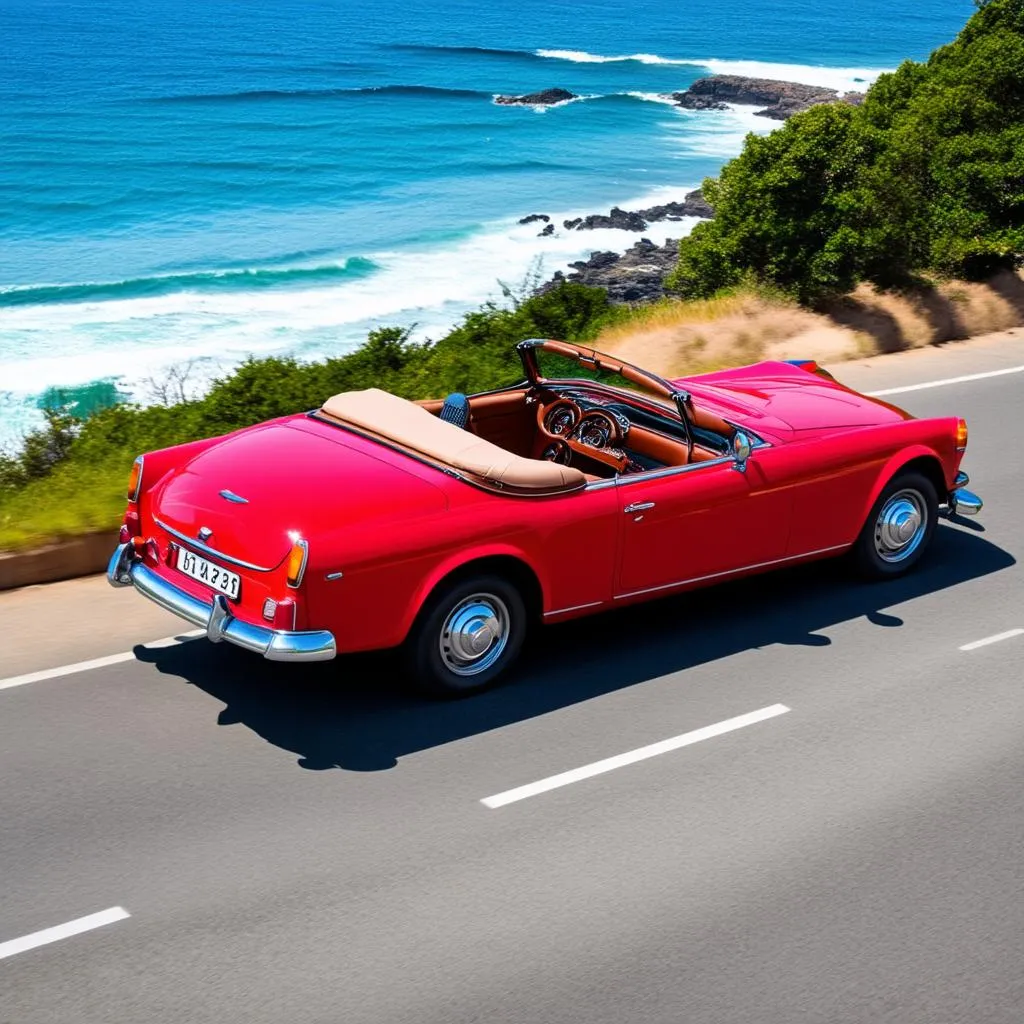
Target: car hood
x,y
785,399
257,486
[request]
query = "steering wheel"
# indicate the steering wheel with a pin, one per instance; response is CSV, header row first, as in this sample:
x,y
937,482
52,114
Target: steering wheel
x,y
557,451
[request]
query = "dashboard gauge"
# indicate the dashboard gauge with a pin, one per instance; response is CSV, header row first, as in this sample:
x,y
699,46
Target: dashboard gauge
x,y
595,431
560,420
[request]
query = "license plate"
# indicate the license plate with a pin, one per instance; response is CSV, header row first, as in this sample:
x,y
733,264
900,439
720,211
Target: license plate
x,y
206,572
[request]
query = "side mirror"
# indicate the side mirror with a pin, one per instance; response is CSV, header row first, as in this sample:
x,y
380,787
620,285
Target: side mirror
x,y
740,450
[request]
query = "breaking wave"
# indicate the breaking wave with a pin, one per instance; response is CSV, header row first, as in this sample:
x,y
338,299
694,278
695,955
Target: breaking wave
x,y
263,95
204,281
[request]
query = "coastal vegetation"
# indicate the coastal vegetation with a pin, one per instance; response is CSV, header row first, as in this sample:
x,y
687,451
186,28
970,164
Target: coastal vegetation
x,y
840,207
926,176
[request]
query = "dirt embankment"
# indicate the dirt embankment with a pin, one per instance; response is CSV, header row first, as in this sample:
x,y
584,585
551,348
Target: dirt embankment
x,y
675,338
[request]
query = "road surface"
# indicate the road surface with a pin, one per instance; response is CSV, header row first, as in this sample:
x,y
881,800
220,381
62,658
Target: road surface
x,y
830,830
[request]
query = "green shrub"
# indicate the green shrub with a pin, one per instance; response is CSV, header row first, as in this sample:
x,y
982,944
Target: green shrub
x,y
70,475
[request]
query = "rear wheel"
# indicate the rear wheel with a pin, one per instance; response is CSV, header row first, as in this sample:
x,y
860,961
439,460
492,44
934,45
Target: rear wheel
x,y
466,637
899,528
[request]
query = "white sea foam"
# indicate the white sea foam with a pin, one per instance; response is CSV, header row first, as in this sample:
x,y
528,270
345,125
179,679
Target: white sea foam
x,y
132,340
717,133
841,79
652,97
582,57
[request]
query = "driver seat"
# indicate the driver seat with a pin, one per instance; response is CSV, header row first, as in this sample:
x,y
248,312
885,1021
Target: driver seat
x,y
456,410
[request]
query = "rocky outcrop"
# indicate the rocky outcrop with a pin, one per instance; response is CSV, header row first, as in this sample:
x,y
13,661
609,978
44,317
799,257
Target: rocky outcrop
x,y
635,276
638,274
693,205
778,100
538,99
623,220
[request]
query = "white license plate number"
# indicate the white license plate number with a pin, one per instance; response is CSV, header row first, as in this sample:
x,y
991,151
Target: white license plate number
x,y
213,576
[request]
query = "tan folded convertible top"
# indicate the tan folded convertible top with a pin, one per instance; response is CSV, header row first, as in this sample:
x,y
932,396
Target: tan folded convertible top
x,y
410,425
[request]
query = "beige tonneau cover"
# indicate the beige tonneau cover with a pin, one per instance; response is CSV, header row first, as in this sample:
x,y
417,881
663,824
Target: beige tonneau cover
x,y
407,424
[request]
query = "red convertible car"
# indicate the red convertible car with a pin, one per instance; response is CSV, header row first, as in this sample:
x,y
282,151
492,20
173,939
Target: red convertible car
x,y
448,527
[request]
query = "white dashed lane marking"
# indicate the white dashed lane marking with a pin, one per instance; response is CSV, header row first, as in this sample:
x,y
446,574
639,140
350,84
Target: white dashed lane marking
x,y
62,931
945,381
632,756
85,666
985,641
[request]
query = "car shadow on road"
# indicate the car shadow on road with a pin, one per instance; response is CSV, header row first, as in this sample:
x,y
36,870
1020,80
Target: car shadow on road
x,y
357,713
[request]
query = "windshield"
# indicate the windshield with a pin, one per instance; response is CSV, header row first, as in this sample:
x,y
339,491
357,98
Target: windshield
x,y
557,365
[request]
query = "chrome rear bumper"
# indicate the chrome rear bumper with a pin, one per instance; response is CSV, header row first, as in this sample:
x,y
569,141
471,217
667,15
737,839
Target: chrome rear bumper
x,y
962,501
124,570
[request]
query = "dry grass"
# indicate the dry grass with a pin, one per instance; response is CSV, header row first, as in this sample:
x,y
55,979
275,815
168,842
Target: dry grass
x,y
677,338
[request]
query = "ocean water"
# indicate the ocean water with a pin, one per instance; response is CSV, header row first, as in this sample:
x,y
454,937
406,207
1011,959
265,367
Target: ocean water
x,y
183,184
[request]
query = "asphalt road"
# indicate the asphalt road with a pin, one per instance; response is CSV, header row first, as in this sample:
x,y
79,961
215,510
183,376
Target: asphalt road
x,y
310,845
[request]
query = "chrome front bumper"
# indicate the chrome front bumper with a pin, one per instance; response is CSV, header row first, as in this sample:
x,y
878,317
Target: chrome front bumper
x,y
962,501
125,570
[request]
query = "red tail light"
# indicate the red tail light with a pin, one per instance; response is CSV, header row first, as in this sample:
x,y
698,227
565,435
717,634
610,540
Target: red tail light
x,y
130,527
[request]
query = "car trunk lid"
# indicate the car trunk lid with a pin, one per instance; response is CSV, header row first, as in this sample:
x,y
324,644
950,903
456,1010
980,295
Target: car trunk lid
x,y
247,495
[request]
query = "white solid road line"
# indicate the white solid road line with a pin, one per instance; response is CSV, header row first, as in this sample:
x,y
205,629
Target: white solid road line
x,y
947,380
84,666
632,756
62,931
1008,635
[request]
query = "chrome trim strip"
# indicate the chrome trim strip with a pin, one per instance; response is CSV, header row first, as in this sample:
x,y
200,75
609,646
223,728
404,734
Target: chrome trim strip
x,y
216,618
657,474
573,608
731,572
334,576
213,552
236,498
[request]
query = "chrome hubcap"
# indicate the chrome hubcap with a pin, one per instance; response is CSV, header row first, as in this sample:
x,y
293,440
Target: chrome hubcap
x,y
900,526
474,634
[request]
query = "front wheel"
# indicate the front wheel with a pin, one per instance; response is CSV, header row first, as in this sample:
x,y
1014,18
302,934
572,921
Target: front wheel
x,y
466,637
899,527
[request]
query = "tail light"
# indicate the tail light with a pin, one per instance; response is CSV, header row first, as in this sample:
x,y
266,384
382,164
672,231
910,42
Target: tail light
x,y
135,480
130,526
961,435
297,560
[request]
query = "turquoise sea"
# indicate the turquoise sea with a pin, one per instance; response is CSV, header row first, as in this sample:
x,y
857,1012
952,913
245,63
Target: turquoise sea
x,y
183,184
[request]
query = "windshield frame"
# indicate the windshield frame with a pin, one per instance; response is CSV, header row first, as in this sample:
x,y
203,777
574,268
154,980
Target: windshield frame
x,y
591,358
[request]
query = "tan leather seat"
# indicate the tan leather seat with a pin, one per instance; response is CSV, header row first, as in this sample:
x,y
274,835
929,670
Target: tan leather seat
x,y
411,426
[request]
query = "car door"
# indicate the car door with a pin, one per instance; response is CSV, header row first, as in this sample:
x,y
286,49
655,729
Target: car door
x,y
700,521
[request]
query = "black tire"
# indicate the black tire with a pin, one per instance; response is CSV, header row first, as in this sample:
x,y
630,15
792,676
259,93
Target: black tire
x,y
437,669
877,552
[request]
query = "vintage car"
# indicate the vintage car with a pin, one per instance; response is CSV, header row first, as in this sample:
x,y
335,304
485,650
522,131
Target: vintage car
x,y
446,528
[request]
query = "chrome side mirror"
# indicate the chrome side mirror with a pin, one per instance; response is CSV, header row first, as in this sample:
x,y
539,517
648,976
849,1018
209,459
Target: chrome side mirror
x,y
740,450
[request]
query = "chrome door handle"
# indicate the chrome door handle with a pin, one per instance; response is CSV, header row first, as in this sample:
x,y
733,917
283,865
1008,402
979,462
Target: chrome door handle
x,y
638,506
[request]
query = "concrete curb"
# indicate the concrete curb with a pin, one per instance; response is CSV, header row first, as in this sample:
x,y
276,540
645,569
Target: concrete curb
x,y
84,555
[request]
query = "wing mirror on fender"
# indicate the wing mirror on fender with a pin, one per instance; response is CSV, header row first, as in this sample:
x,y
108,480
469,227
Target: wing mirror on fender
x,y
740,450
